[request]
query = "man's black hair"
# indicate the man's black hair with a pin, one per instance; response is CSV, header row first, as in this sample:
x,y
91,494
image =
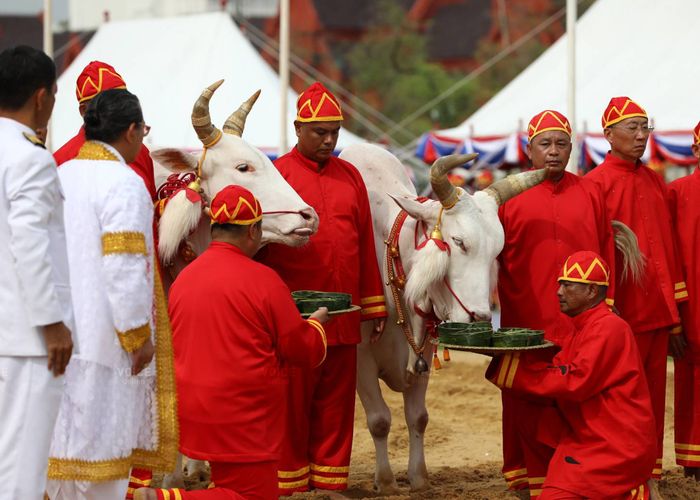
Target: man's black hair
x,y
110,113
23,71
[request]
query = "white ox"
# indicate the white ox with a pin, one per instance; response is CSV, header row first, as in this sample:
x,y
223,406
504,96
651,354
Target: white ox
x,y
228,159
455,286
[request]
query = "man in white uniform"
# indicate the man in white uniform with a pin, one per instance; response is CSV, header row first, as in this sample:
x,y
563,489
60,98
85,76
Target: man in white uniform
x,y
35,342
119,409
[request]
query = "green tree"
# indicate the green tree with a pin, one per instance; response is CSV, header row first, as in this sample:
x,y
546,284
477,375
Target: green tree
x,y
389,69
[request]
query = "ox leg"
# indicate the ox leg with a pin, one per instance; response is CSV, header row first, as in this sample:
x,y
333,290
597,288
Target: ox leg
x,y
175,479
416,420
378,418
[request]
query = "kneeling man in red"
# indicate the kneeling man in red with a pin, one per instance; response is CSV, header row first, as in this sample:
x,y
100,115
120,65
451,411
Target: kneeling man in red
x,y
605,441
235,327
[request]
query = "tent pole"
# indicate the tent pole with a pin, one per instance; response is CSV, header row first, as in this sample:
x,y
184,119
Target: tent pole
x,y
284,74
571,80
48,49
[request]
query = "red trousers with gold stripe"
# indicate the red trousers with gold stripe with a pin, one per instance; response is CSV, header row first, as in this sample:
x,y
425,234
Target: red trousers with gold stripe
x,y
548,493
687,413
526,453
653,349
254,481
320,418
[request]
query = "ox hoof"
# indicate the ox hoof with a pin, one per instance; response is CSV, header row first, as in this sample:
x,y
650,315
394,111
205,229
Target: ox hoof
x,y
420,484
386,489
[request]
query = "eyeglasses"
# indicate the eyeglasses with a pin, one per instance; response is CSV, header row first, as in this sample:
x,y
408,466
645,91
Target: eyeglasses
x,y
633,128
146,129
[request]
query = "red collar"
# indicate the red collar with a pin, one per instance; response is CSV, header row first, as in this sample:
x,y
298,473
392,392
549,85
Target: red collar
x,y
617,162
583,318
308,163
222,245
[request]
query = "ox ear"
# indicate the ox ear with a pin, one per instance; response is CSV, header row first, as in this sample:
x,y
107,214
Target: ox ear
x,y
175,160
426,212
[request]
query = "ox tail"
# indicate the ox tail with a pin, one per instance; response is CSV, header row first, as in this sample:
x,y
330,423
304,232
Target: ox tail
x,y
428,266
180,217
633,260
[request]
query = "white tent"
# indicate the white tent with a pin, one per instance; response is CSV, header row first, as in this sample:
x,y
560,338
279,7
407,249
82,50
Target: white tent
x,y
167,63
644,49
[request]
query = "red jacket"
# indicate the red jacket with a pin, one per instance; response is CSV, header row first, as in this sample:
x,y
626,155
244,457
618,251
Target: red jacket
x,y
607,444
684,201
543,226
636,195
142,165
235,326
340,257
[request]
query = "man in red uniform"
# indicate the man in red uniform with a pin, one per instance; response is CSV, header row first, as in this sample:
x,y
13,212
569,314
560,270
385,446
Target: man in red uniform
x,y
637,196
96,77
684,194
542,226
235,328
605,441
339,258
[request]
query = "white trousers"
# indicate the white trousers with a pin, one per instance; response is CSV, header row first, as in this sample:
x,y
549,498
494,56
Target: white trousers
x,y
83,490
29,399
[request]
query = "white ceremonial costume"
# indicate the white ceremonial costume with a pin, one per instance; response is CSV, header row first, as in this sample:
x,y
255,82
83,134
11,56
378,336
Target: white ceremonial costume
x,y
34,292
109,420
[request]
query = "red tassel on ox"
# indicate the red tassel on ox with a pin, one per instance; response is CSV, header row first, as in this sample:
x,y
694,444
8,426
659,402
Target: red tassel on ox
x,y
436,361
445,354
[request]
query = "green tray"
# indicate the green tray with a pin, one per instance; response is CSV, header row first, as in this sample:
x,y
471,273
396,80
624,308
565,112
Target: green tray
x,y
469,334
308,301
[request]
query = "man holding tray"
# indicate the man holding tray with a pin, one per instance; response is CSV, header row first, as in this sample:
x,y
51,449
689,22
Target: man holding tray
x,y
605,442
543,226
235,331
340,257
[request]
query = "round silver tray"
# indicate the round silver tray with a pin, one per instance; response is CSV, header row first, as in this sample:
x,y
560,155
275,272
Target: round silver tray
x,y
497,350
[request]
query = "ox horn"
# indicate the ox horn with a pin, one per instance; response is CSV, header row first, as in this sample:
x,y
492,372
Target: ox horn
x,y
443,189
236,122
513,185
201,120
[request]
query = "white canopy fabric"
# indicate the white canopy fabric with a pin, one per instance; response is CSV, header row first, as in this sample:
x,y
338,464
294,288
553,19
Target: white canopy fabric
x,y
643,49
167,63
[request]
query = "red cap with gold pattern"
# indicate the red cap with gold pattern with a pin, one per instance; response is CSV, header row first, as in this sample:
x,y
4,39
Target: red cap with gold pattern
x,y
317,104
548,120
696,134
586,267
621,108
235,205
96,77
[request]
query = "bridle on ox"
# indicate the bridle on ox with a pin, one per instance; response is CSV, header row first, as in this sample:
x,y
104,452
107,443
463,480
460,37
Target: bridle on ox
x,y
397,281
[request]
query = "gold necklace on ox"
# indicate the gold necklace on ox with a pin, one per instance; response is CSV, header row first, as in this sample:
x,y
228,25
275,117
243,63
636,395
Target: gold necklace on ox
x,y
397,281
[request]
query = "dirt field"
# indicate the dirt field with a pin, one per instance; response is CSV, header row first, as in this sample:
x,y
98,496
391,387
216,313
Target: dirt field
x,y
464,464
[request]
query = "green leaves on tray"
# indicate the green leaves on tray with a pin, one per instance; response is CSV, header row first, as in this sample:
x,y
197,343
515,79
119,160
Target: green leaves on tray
x,y
308,301
480,334
470,334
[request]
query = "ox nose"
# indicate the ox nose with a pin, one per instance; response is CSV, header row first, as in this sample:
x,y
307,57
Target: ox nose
x,y
307,213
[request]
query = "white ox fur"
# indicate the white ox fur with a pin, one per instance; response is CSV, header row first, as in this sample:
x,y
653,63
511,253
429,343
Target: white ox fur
x,y
475,236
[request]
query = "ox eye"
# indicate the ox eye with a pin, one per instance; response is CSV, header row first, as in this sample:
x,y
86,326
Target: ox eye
x,y
243,167
459,243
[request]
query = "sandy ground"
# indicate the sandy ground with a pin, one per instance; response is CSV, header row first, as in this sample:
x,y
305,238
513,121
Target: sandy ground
x,y
462,463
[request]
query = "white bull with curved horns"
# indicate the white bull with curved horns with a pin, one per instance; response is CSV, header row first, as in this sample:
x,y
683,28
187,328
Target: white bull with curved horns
x,y
228,159
449,277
